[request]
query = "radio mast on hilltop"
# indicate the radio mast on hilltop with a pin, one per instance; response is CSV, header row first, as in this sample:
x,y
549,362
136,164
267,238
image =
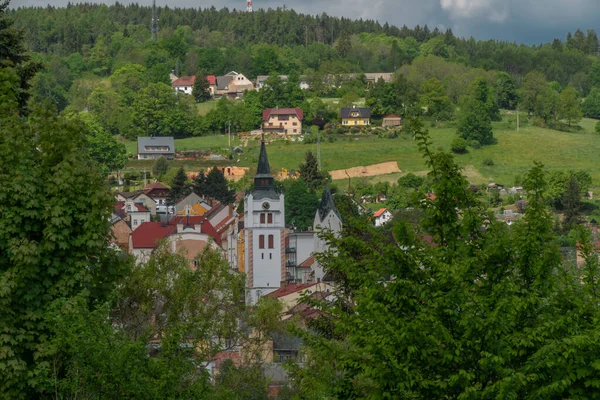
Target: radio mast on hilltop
x,y
154,26
249,5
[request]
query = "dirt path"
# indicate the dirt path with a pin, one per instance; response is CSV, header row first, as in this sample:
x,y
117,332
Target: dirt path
x,y
368,170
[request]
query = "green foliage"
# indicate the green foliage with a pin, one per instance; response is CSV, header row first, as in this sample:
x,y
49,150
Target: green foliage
x,y
475,121
411,181
160,167
570,109
591,105
180,187
597,127
233,383
486,313
54,210
300,205
571,203
310,172
488,162
435,100
216,187
200,89
459,145
506,91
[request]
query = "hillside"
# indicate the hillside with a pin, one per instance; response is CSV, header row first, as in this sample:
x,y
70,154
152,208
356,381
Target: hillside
x,y
513,155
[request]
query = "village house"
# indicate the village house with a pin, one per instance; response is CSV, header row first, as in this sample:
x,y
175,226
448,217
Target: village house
x,y
134,214
283,121
157,192
382,217
138,197
391,120
356,116
151,148
184,84
232,85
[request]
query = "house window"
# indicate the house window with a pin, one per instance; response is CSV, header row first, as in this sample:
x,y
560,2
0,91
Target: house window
x,y
270,218
271,240
294,123
261,242
262,256
195,263
355,122
135,221
345,122
366,122
295,130
262,218
270,256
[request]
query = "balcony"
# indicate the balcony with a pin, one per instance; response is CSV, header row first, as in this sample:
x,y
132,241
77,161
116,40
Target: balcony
x,y
290,249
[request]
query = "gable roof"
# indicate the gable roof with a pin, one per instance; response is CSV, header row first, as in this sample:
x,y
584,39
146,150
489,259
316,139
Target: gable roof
x,y
308,262
363,112
223,81
148,234
289,289
391,116
327,204
156,141
283,111
380,212
206,226
184,81
212,80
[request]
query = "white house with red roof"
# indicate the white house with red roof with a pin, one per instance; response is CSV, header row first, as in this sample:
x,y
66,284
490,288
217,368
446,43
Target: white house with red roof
x,y
157,192
283,121
382,217
185,84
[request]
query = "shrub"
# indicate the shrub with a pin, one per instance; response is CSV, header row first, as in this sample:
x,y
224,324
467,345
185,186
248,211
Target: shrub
x,y
488,162
474,144
459,145
354,130
598,127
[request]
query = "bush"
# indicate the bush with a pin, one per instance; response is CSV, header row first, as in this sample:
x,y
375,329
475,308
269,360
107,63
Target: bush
x,y
598,127
488,162
459,145
474,144
354,130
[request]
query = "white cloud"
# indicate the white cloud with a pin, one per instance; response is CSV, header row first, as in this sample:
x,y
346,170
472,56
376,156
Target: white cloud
x,y
493,10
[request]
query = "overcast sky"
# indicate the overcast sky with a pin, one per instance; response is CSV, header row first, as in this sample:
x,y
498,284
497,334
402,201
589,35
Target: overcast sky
x,y
523,21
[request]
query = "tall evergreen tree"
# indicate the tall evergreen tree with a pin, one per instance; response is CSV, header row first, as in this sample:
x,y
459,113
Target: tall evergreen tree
x,y
475,122
217,187
199,184
179,187
200,89
309,171
571,203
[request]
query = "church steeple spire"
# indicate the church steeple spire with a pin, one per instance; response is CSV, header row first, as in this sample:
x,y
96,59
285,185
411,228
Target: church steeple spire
x,y
263,180
327,204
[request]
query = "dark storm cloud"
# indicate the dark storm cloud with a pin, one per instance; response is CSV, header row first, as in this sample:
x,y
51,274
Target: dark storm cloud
x,y
528,21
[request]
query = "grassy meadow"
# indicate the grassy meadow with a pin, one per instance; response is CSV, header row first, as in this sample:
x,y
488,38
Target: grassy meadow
x,y
512,155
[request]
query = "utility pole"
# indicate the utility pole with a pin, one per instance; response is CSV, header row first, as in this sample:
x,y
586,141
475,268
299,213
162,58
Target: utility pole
x,y
154,26
229,135
145,182
319,149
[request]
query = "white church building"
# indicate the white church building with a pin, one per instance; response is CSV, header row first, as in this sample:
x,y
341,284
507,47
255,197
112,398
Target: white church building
x,y
273,256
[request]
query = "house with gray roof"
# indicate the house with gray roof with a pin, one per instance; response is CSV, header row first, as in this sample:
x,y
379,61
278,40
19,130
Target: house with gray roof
x,y
151,148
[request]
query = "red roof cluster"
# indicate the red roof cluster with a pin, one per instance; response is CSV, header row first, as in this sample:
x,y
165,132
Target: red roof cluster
x,y
184,81
283,111
148,234
308,262
212,80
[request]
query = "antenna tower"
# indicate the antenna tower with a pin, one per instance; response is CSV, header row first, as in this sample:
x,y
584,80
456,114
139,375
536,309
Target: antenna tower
x,y
154,27
249,5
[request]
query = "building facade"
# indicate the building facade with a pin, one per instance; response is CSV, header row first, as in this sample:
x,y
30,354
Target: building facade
x,y
151,148
264,234
283,121
356,116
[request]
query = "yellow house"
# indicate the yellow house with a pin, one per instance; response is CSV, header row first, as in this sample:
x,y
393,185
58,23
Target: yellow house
x,y
356,116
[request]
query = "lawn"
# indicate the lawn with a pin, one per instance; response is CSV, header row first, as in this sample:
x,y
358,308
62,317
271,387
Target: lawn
x,y
512,155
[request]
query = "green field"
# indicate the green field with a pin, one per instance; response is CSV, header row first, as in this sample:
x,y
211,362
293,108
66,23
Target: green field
x,y
514,154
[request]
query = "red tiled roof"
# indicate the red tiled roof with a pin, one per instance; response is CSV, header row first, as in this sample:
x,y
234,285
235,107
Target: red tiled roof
x,y
184,81
120,205
207,227
141,208
289,289
148,234
212,80
391,116
283,111
380,212
308,262
224,224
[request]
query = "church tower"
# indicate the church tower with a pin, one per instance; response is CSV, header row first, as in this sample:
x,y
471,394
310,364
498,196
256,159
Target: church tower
x,y
264,223
327,217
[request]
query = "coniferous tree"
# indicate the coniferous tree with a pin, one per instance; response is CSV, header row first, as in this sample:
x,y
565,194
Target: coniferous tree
x,y
179,188
475,122
309,171
217,187
200,89
199,184
571,203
